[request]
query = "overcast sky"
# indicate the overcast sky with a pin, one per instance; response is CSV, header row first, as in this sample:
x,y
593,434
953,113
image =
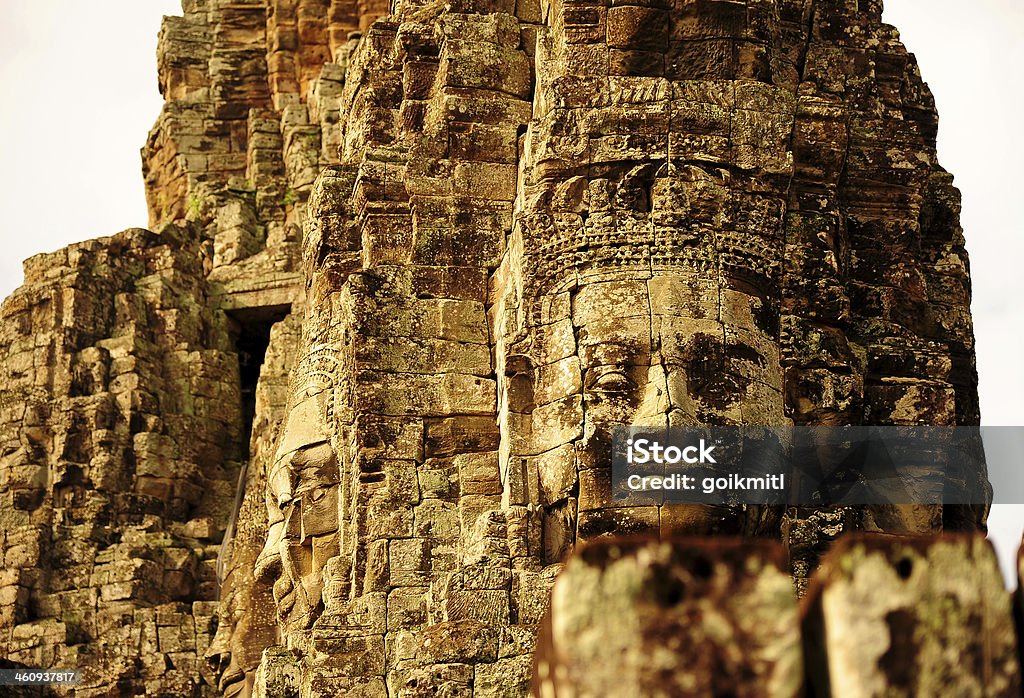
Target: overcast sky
x,y
79,94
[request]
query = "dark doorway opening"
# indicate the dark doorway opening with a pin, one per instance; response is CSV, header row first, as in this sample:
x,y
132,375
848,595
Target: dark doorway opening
x,y
251,335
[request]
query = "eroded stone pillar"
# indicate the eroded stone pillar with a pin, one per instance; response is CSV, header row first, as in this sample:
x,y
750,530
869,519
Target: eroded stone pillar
x,y
679,617
913,616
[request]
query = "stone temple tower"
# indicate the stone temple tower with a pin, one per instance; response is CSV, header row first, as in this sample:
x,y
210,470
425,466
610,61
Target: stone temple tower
x,y
335,426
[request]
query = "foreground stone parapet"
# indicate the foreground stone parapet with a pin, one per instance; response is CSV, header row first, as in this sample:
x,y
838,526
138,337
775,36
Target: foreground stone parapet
x,y
889,616
884,616
685,617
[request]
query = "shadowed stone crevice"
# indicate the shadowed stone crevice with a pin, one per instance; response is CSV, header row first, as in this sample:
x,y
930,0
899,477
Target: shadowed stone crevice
x,y
250,333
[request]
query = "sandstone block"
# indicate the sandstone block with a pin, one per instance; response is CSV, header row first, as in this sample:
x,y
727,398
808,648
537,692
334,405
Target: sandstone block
x,y
624,583
936,618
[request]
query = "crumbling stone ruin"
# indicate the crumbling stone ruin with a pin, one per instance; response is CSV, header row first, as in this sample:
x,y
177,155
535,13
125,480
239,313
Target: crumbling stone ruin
x,y
336,426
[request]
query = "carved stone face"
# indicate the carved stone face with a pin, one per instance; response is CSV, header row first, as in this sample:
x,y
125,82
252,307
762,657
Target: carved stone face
x,y
228,645
302,509
672,350
652,298
688,353
667,350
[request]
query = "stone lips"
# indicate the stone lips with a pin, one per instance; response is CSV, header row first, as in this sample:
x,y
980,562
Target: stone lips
x,y
475,236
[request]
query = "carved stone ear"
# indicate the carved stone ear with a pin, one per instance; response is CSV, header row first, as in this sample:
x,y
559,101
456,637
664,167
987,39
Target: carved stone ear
x,y
519,369
518,364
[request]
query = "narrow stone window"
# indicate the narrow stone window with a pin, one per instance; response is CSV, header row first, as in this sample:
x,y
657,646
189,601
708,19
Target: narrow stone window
x,y
251,335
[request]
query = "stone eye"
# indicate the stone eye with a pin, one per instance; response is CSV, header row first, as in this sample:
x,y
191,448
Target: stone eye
x,y
613,382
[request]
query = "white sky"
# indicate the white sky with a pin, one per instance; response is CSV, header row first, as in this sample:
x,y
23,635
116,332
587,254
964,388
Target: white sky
x,y
79,94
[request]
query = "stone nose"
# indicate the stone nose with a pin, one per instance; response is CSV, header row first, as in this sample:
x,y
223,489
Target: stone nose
x,y
268,563
655,404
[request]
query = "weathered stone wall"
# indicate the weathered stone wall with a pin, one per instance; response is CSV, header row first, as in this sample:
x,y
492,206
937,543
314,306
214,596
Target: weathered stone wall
x,y
122,445
470,237
885,615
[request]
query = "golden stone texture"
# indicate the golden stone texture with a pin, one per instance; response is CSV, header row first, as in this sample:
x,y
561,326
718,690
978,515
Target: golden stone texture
x,y
336,426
